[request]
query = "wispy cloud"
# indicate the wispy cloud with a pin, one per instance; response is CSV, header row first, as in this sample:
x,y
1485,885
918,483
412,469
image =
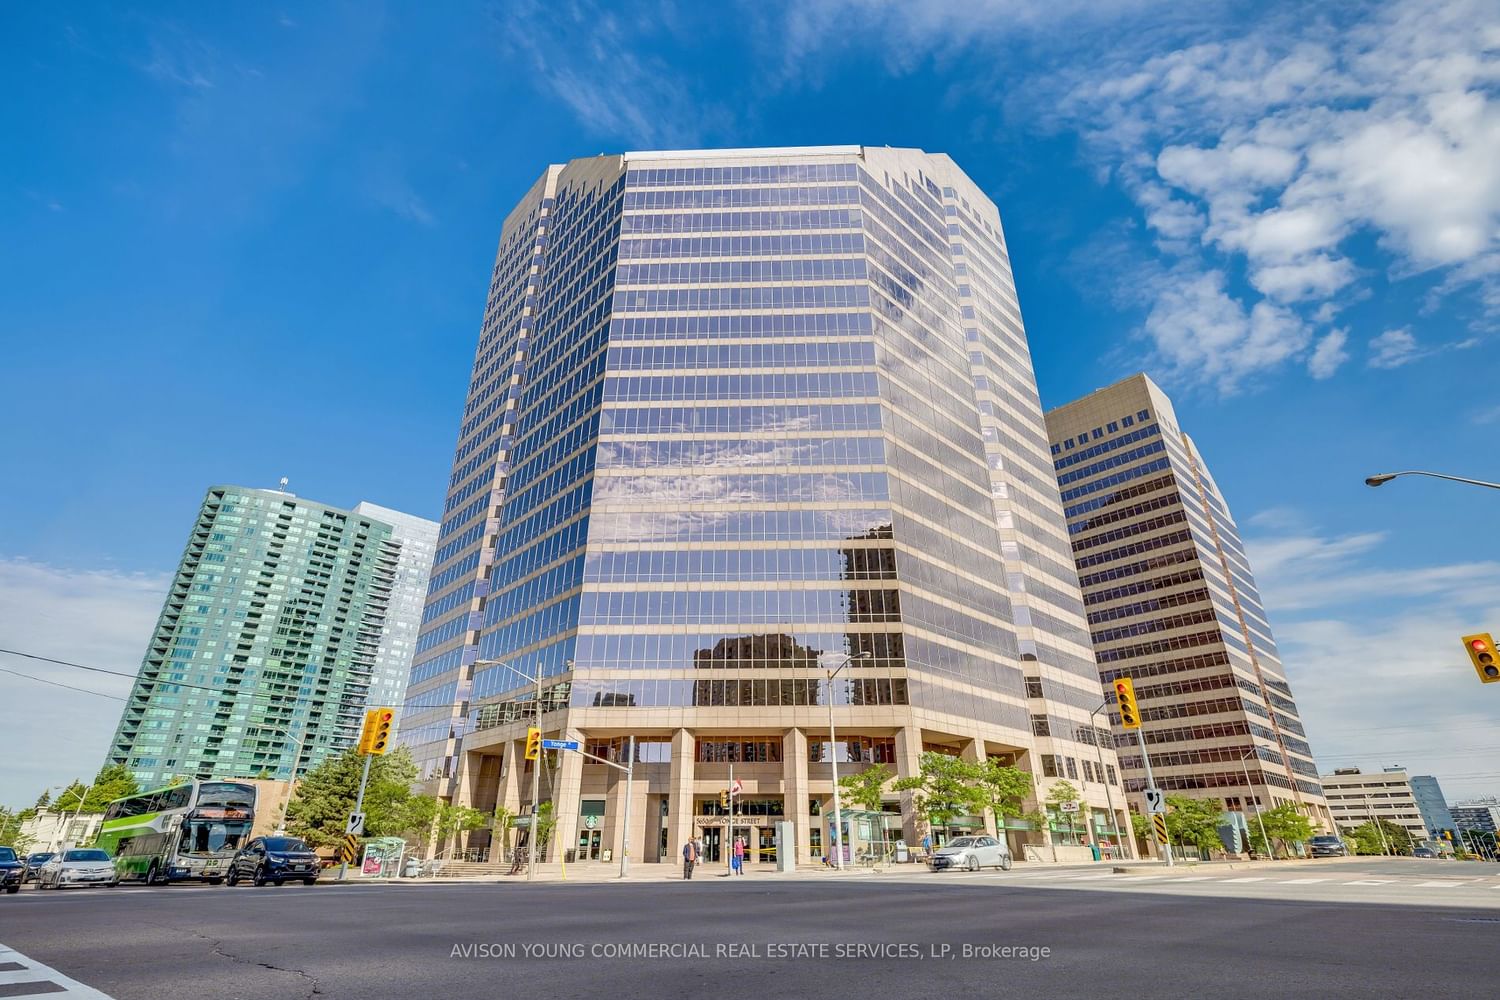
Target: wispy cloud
x,y
386,185
96,617
597,64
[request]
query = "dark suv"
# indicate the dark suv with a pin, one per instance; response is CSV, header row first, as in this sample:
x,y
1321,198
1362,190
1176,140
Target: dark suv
x,y
1327,847
10,869
274,860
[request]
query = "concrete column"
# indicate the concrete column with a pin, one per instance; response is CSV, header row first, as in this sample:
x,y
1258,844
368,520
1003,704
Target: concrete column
x,y
795,792
680,803
973,751
512,768
908,765
566,798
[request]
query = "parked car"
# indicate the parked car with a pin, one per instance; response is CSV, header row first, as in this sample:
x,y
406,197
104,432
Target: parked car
x,y
78,866
10,869
1328,847
1424,852
34,864
274,860
972,853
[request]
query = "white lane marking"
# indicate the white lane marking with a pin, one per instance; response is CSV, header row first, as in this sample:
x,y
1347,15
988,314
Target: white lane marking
x,y
1092,878
1437,885
44,977
1371,881
1252,878
1197,878
1301,881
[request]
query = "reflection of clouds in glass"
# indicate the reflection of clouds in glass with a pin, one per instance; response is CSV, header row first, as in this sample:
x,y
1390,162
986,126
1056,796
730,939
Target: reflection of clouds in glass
x,y
741,452
674,490
607,526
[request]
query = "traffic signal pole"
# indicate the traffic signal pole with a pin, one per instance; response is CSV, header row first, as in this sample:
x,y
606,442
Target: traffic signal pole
x,y
1166,849
359,807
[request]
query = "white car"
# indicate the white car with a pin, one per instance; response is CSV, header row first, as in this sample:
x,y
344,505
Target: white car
x,y
972,853
80,866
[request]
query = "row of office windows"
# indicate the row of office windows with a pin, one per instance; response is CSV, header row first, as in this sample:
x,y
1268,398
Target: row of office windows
x,y
737,452
703,565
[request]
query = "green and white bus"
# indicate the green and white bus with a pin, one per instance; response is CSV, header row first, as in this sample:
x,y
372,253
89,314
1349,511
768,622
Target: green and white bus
x,y
187,832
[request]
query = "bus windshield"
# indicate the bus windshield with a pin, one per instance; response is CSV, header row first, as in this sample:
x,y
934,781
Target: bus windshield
x,y
212,836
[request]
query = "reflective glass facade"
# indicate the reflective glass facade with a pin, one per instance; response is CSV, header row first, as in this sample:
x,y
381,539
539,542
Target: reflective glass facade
x,y
748,429
268,640
415,540
1172,603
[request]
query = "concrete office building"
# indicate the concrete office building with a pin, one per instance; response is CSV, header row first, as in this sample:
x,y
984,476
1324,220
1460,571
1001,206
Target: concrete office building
x,y
267,641
1434,809
1483,817
1172,604
739,418
1356,798
416,538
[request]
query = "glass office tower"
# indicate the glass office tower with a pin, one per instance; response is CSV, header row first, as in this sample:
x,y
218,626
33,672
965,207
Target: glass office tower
x,y
740,420
416,541
267,642
1173,604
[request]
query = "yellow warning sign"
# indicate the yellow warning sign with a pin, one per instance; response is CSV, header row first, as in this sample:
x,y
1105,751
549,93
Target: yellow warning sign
x,y
350,849
1160,822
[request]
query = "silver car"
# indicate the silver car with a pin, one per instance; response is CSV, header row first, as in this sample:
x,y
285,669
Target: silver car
x,y
971,853
80,866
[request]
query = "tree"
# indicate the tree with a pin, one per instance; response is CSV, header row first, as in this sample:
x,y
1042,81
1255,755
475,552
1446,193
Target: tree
x,y
866,788
546,822
1367,838
1063,792
1285,825
504,820
114,781
1004,789
945,788
1194,822
451,820
325,797
10,831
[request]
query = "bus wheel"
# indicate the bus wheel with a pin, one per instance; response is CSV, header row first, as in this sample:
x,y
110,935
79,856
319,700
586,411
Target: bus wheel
x,y
154,875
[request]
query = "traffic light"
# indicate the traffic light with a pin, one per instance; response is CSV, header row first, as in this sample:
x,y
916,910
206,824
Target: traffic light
x,y
1482,652
533,743
1130,712
375,738
724,799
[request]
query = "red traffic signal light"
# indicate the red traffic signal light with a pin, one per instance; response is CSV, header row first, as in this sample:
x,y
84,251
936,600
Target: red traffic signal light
x,y
1481,650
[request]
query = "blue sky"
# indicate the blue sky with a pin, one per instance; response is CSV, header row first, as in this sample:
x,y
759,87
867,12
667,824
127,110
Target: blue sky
x,y
243,243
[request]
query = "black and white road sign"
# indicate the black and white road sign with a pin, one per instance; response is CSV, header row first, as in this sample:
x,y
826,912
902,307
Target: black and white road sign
x,y
356,824
1156,802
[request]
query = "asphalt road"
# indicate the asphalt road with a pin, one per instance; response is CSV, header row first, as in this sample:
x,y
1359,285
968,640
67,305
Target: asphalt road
x,y
744,937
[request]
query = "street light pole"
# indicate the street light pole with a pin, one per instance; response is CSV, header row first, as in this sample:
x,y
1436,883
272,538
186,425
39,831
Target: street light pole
x,y
536,770
1109,799
1251,789
1386,477
833,762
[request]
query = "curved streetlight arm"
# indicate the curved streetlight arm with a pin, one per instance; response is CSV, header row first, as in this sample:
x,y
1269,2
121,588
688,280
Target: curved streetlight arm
x,y
1386,477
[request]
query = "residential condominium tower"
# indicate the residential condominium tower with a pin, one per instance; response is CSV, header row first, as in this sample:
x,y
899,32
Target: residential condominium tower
x,y
267,644
417,541
1172,604
752,446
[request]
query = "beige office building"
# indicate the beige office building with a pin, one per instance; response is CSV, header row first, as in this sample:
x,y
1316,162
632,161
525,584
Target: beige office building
x,y
1356,798
1172,604
739,419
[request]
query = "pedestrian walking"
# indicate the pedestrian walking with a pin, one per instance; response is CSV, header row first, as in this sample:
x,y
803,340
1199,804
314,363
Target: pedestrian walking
x,y
738,860
689,858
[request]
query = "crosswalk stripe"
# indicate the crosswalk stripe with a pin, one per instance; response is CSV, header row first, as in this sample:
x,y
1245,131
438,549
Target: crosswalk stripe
x,y
27,977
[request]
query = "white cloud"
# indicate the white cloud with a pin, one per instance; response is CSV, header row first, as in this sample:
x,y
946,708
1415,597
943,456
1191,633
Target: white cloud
x,y
1328,355
1394,348
98,618
1369,647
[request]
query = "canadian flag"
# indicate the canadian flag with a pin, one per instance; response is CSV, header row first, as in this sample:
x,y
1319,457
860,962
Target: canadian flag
x,y
736,786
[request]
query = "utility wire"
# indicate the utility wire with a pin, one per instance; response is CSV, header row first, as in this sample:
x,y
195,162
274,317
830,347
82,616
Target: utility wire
x,y
43,680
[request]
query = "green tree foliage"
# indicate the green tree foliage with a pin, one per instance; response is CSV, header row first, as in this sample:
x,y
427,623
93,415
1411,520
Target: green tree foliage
x,y
546,822
10,831
505,820
866,788
1063,792
114,781
1004,789
1285,825
325,798
1194,822
1367,838
451,820
945,788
